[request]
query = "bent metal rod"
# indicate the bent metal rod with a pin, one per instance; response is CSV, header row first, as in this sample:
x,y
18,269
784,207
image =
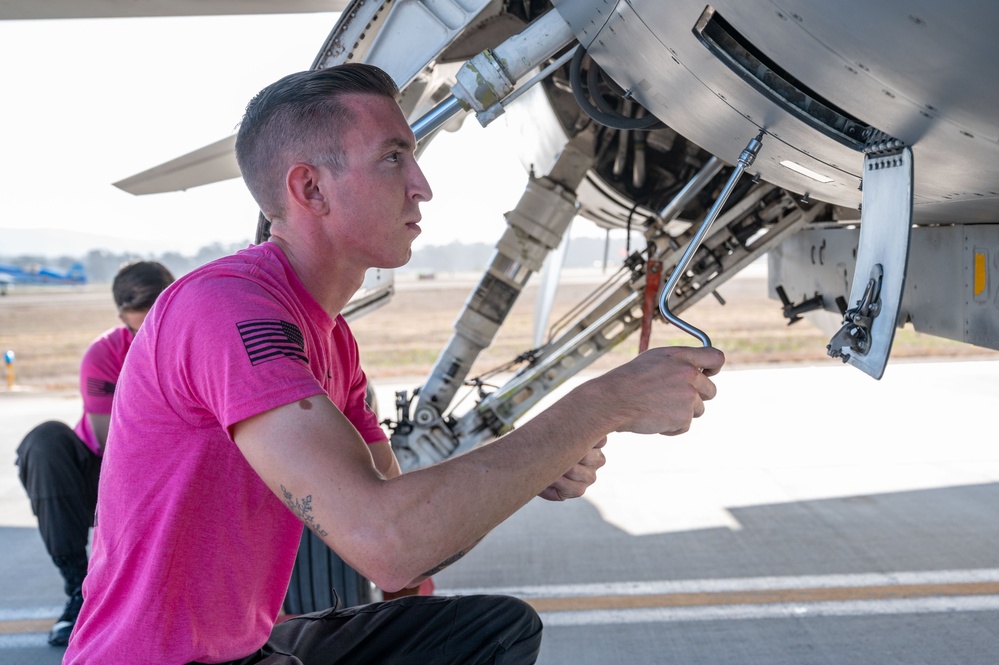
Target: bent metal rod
x,y
745,160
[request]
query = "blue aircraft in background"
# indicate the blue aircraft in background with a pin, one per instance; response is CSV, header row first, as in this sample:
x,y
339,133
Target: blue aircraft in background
x,y
36,274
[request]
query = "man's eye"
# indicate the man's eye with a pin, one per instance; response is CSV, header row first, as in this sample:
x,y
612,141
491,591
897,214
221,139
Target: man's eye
x,y
394,157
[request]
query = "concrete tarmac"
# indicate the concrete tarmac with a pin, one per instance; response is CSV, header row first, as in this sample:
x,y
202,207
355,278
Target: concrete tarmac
x,y
812,516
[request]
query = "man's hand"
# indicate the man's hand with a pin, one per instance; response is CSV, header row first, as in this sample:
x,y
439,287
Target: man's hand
x,y
574,482
659,392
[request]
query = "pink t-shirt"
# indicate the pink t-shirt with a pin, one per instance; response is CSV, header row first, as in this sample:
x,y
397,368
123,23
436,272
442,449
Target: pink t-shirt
x,y
192,552
99,372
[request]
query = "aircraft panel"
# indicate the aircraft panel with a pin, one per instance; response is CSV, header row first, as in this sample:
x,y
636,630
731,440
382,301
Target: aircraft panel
x,y
905,46
674,76
61,9
909,69
914,88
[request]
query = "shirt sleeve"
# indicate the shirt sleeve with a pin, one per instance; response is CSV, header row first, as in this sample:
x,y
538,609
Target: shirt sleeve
x,y
99,371
228,350
357,408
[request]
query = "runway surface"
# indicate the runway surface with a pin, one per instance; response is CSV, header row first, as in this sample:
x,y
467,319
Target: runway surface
x,y
813,515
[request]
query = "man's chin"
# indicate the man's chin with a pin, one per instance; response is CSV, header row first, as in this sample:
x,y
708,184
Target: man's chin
x,y
391,264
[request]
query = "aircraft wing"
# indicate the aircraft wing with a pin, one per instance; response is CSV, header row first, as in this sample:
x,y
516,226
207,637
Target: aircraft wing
x,y
69,9
420,45
212,163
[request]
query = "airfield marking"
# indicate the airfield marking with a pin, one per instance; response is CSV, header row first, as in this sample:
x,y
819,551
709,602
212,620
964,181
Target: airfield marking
x,y
781,596
758,597
22,626
707,599
797,611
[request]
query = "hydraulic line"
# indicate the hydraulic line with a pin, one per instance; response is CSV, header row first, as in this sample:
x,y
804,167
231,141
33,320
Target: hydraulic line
x,y
485,84
610,119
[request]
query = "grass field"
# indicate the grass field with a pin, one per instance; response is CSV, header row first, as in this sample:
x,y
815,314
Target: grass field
x,y
48,328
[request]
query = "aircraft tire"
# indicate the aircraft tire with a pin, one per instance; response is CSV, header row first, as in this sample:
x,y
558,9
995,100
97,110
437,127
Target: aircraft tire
x,y
318,573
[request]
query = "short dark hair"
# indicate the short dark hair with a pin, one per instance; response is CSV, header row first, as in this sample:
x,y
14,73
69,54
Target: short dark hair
x,y
300,118
138,284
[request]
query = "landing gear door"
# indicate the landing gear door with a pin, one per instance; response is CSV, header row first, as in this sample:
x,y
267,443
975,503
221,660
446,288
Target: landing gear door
x,y
875,302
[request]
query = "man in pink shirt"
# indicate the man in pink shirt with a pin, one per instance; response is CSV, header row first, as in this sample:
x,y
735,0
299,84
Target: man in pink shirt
x,y
241,417
59,466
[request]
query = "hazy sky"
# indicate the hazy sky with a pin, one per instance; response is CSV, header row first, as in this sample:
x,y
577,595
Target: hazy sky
x,y
89,102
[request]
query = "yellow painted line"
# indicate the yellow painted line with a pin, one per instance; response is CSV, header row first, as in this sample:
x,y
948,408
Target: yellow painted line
x,y
763,597
699,599
26,626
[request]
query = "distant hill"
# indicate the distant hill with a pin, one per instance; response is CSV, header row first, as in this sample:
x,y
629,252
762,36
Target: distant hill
x,y
52,243
102,255
460,257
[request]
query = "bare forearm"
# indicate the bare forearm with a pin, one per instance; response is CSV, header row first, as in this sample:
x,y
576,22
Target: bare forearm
x,y
454,558
395,529
459,501
473,493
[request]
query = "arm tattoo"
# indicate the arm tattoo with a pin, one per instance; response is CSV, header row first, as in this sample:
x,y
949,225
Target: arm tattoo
x,y
302,508
444,564
447,562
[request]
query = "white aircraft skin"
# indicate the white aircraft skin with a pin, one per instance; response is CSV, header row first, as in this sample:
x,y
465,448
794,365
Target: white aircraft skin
x,y
59,9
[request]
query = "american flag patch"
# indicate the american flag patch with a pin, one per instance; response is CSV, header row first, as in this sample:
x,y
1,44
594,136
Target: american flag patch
x,y
270,339
99,387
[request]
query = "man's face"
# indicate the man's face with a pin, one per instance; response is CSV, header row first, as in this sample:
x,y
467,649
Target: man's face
x,y
375,201
133,318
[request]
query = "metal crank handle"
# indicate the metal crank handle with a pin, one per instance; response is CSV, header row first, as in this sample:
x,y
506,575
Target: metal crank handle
x,y
745,160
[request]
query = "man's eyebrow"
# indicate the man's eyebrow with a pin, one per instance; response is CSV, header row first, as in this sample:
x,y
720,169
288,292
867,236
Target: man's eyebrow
x,y
400,143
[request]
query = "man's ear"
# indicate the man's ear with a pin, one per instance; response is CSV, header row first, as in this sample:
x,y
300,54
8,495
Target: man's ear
x,y
305,190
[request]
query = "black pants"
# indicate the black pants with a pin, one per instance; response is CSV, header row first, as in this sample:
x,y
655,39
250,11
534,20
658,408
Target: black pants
x,y
415,630
60,475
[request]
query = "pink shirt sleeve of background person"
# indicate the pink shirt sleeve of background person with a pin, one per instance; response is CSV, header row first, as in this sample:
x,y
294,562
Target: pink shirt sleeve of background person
x,y
99,372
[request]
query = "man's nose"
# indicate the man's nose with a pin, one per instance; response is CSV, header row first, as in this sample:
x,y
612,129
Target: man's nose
x,y
420,187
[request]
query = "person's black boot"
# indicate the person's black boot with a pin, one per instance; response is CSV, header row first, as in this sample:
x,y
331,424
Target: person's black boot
x,y
59,634
73,570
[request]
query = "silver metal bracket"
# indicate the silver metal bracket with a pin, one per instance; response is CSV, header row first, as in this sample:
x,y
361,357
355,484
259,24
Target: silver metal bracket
x,y
868,329
856,332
